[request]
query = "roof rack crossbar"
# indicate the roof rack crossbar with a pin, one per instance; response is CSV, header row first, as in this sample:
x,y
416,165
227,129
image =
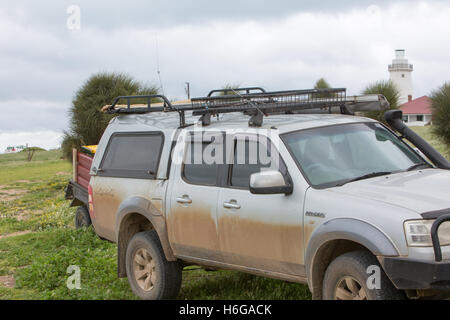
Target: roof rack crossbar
x,y
112,108
166,106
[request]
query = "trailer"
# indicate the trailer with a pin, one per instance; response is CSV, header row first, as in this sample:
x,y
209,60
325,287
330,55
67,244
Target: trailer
x,y
77,188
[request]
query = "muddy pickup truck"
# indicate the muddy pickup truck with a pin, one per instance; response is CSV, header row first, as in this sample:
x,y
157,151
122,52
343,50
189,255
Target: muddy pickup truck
x,y
291,185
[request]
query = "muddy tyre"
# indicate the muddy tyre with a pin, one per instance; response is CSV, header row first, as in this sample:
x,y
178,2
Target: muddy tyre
x,y
346,279
82,218
150,275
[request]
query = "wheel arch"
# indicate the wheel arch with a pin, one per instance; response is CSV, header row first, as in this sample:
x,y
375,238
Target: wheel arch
x,y
137,214
339,236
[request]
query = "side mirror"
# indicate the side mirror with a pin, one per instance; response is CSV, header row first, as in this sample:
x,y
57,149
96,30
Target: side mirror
x,y
269,182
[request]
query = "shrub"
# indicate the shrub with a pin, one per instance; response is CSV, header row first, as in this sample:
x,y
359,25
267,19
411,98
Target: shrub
x,y
322,84
387,89
440,106
87,122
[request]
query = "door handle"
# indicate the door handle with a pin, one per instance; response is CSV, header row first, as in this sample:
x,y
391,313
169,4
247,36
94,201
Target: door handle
x,y
184,199
231,205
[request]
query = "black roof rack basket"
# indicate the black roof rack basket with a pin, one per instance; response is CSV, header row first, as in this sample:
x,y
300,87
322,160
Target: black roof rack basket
x,y
254,101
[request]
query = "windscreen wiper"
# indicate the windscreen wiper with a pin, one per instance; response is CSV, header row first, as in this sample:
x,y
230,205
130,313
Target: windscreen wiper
x,y
418,165
366,176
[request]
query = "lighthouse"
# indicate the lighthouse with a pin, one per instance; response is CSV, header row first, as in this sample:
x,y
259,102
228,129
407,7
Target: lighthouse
x,y
400,74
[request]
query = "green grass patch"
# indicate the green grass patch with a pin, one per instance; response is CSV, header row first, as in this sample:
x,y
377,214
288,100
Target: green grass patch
x,y
40,260
20,157
426,133
47,273
45,164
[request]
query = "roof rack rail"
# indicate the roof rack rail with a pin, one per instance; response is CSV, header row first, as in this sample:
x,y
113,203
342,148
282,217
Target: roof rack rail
x,y
163,106
225,91
257,105
140,108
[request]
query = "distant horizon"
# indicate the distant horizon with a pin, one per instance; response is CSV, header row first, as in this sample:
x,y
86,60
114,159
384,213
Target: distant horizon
x,y
47,140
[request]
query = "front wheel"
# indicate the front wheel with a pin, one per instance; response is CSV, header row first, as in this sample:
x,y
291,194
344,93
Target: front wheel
x,y
150,275
347,278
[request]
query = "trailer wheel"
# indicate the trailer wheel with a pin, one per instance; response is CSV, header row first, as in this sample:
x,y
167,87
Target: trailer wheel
x,y
347,276
82,218
150,275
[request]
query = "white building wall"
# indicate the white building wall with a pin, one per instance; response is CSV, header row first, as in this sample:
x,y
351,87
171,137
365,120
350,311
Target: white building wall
x,y
412,120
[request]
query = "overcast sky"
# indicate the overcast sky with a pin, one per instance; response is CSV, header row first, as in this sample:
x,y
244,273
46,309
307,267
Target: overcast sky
x,y
282,45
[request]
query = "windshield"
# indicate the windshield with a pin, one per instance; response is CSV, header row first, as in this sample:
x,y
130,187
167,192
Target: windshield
x,y
334,155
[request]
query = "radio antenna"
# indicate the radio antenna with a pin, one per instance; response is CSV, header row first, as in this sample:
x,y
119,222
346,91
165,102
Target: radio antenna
x,y
158,71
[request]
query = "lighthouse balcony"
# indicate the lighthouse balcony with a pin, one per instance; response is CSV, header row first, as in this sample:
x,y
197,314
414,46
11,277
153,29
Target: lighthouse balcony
x,y
400,67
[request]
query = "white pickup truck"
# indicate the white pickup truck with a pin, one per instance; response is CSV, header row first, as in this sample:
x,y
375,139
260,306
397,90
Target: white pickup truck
x,y
274,184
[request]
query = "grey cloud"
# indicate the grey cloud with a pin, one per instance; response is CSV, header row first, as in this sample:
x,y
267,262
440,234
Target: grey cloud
x,y
23,115
112,14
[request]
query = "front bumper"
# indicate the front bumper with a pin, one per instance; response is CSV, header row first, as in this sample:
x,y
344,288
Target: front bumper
x,y
409,274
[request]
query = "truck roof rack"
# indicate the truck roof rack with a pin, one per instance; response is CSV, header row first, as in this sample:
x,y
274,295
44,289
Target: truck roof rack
x,y
256,104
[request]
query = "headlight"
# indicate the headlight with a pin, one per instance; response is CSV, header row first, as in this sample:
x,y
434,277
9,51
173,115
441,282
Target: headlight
x,y
418,233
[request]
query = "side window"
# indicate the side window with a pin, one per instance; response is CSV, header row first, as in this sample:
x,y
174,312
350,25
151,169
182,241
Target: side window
x,y
202,159
249,157
132,155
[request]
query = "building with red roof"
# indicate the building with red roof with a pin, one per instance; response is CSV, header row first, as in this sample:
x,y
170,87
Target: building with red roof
x,y
417,112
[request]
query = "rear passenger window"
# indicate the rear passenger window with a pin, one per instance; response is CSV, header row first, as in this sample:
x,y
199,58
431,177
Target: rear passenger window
x,y
133,155
202,160
247,163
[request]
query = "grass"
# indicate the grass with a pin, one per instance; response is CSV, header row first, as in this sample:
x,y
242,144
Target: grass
x,y
436,142
14,167
39,260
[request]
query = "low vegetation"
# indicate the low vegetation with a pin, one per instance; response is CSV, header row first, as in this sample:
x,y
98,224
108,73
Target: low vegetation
x,y
387,89
440,105
436,141
87,122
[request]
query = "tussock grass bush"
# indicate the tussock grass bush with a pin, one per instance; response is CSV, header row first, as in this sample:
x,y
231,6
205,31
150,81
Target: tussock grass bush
x,y
440,105
387,89
87,122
